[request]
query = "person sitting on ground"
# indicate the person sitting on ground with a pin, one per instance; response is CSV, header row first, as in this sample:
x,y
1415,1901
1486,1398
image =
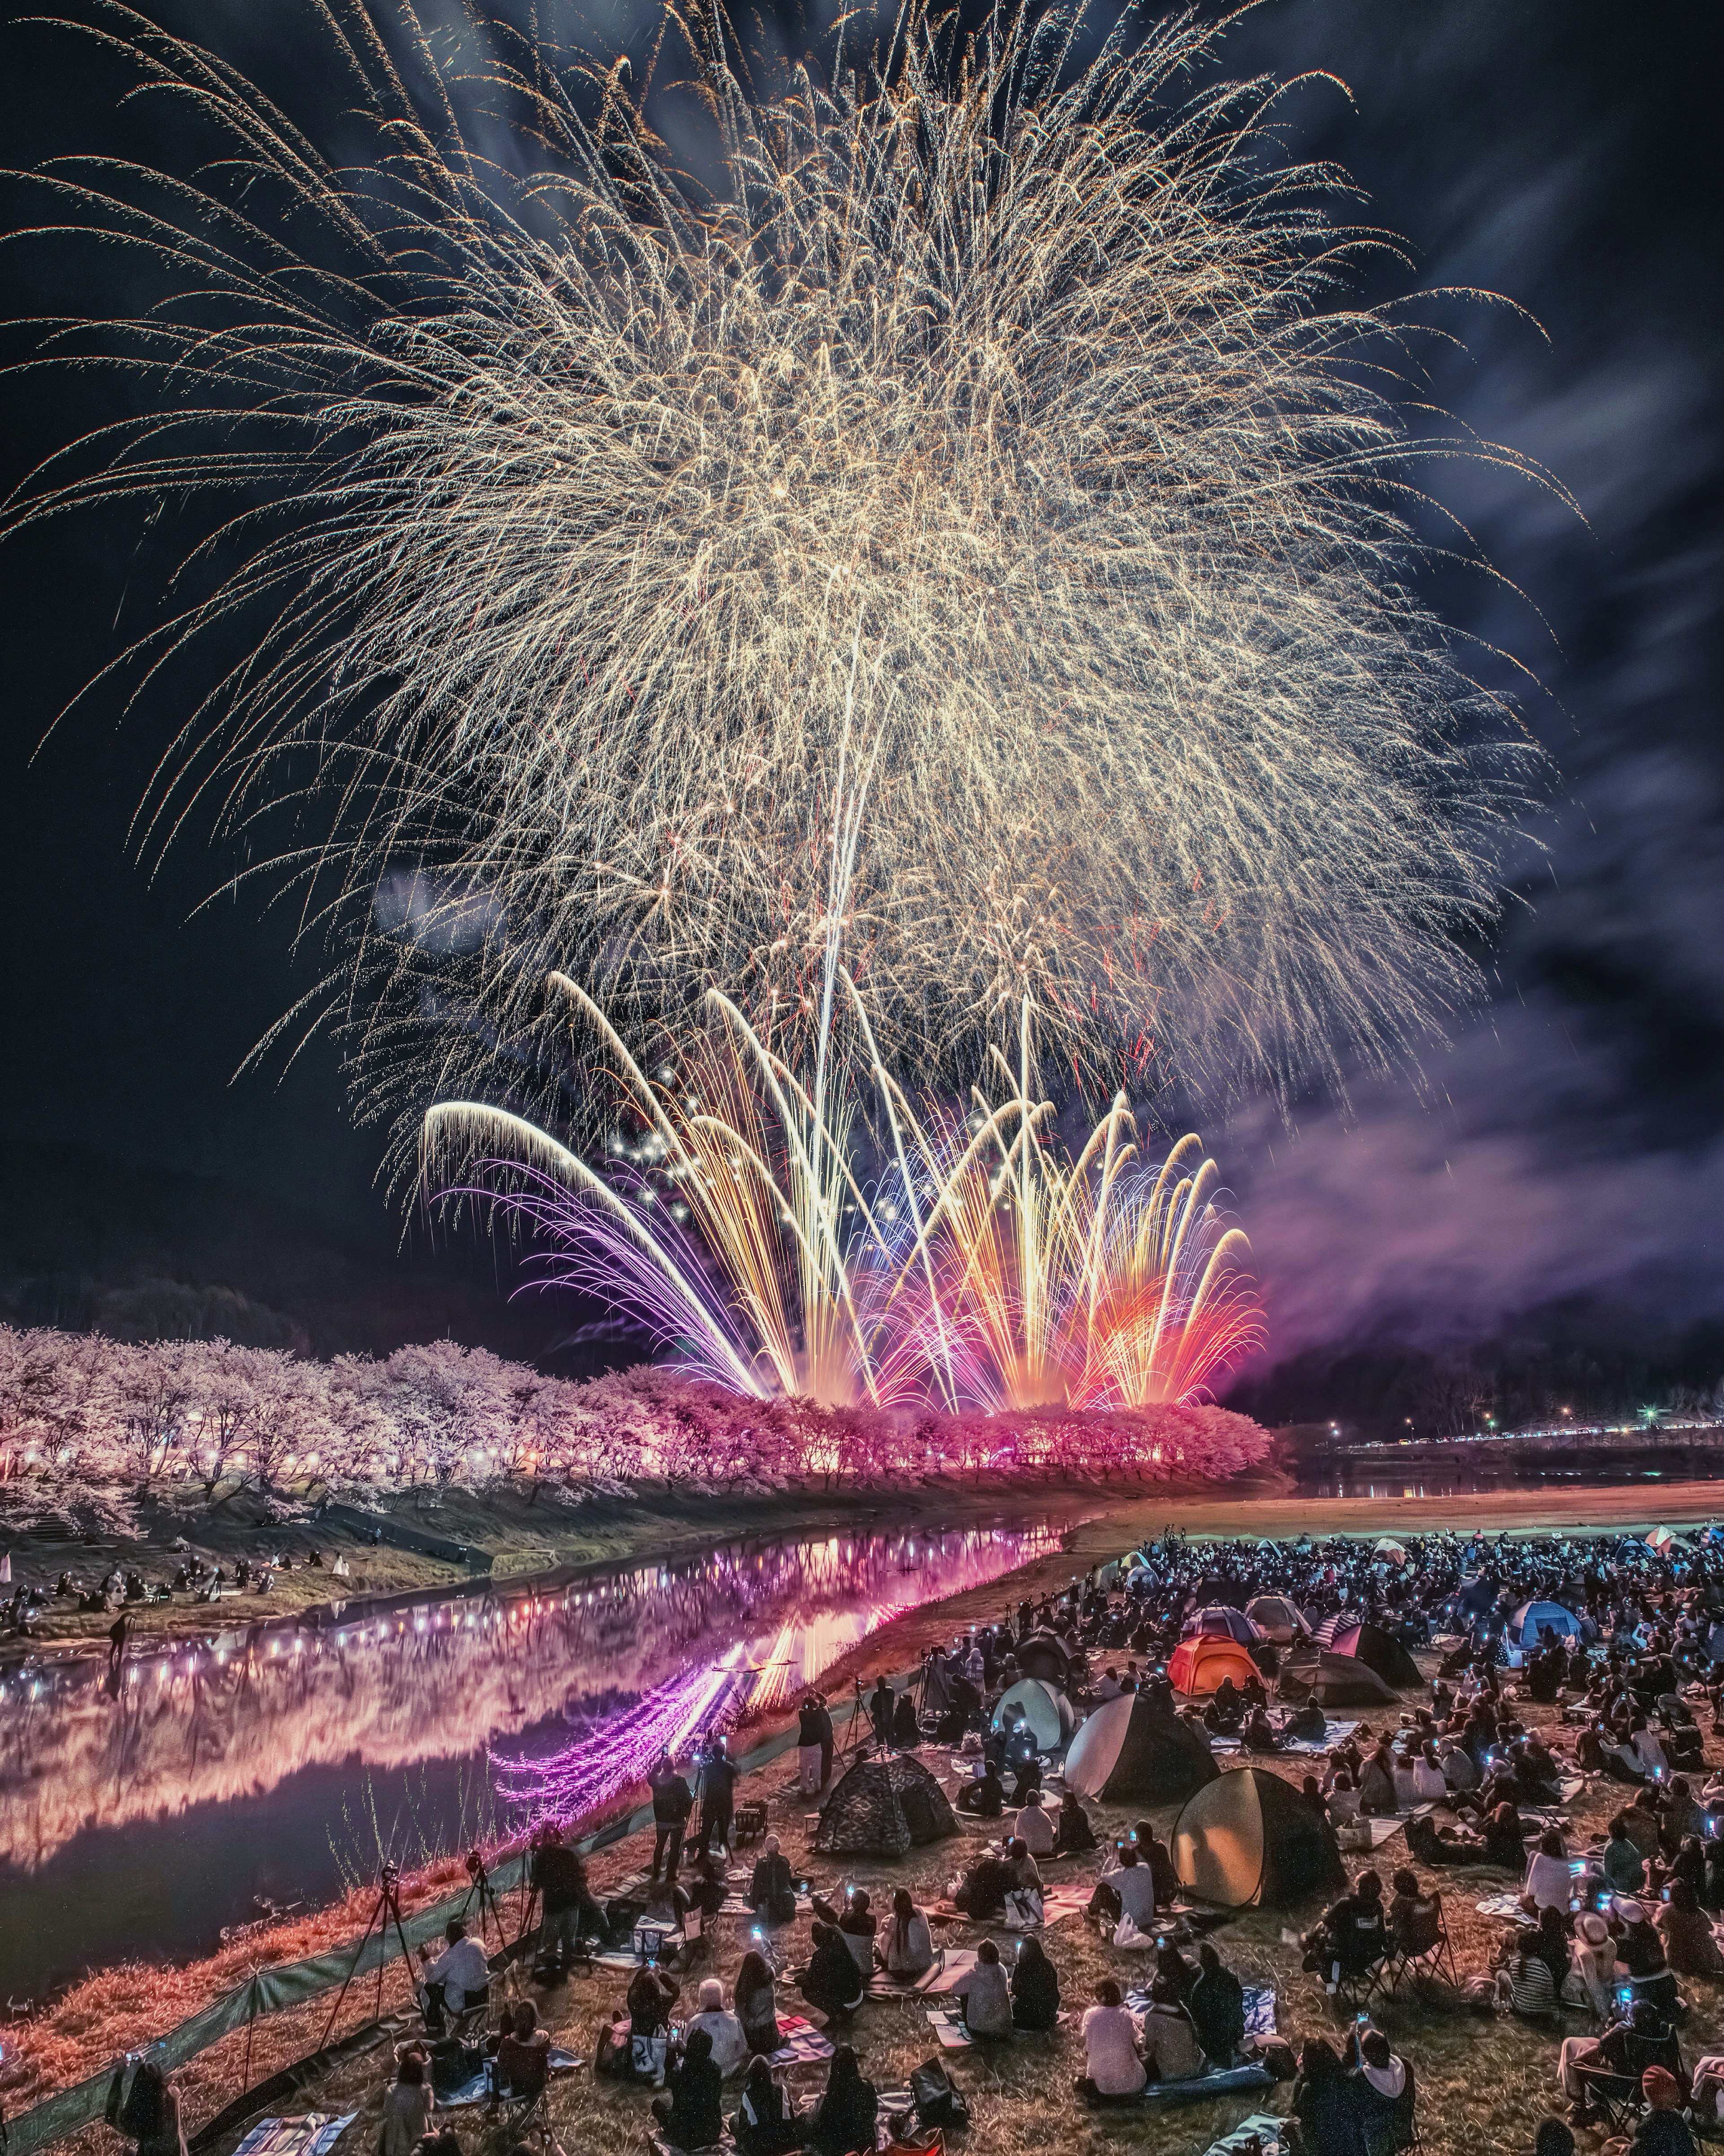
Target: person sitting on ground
x,y
857,1924
407,2108
1353,1934
909,1951
1430,1785
690,2115
1216,2004
1624,1867
983,1796
1376,1784
1631,2044
1549,1881
1324,2111
756,2003
1662,2130
985,1997
1033,1827
1113,2072
1640,1951
1176,1974
1024,1874
524,2054
833,1982
1642,1822
766,2123
1554,2136
1525,1986
651,1995
1154,1854
1226,1710
1690,1948
461,1969
1128,1892
1035,1988
1073,1834
1171,2048
1383,2091
1258,1733
846,2117
981,1892
772,1890
1504,1839
1342,1802
906,1730
730,2046
1593,1964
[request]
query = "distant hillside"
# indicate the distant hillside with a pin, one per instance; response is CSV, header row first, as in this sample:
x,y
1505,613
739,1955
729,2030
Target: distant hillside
x,y
155,1253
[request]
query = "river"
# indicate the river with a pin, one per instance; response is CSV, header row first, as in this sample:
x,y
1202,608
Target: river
x,y
143,1811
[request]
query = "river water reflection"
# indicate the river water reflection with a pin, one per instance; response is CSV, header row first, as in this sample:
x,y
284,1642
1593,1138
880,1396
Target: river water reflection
x,y
140,1816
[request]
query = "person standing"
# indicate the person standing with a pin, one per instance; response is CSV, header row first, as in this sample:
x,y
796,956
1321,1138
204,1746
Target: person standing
x,y
718,1786
673,1800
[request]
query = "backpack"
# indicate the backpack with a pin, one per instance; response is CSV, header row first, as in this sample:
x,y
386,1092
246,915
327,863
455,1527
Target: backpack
x,y
937,2103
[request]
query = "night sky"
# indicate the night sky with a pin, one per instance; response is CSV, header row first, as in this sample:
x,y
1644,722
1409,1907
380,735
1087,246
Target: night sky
x,y
1559,1178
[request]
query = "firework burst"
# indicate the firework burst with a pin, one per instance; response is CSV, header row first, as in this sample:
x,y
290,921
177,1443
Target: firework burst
x,y
968,523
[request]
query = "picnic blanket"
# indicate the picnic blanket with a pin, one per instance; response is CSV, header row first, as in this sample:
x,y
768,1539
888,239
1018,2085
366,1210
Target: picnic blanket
x,y
804,2043
1314,1748
478,2089
1501,1905
1058,1903
953,1966
1259,2002
313,2135
1197,2086
1270,2131
947,2024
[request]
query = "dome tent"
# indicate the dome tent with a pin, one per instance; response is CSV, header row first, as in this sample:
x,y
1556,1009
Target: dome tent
x,y
1042,1655
1334,1679
1220,1621
1046,1710
1369,1643
1248,1838
1277,1618
1199,1664
1533,1619
882,1808
1126,1752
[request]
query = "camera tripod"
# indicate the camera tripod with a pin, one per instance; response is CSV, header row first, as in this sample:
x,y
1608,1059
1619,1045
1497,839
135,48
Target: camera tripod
x,y
480,1884
385,1911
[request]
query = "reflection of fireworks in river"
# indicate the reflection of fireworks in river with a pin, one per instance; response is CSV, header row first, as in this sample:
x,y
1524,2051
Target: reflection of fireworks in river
x,y
984,1269
972,479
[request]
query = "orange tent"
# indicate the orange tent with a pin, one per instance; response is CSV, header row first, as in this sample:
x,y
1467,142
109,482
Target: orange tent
x,y
1199,1665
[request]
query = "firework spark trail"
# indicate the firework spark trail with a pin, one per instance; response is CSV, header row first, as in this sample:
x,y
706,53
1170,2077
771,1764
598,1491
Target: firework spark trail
x,y
986,1270
979,511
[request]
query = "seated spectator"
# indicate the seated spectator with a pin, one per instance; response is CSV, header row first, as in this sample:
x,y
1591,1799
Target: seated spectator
x,y
651,1995
1549,1882
1626,2049
1662,2130
1033,1828
908,1942
1127,1891
690,2115
1342,1802
986,1997
1154,1853
1592,1963
730,2046
832,1983
1112,2069
407,2108
1504,1840
756,2003
1415,1915
1216,2006
983,1796
1430,1782
1025,1874
1170,2045
766,2122
857,1925
1323,2107
846,2117
1383,2091
1073,1834
1554,2138
1377,1783
1689,1948
1353,1934
460,1977
524,2054
1640,1951
1035,1988
1524,1982
772,1890
1624,1867
1641,1821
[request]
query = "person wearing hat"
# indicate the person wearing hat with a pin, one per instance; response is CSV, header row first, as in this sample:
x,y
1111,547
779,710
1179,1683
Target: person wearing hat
x,y
1662,2131
1640,1950
1593,1959
730,2046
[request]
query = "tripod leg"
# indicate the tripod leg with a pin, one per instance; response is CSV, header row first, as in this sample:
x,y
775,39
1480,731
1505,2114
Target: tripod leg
x,y
374,1918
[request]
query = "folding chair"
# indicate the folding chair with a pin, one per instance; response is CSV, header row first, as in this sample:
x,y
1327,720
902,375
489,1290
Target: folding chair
x,y
1356,1987
1429,1954
1617,2096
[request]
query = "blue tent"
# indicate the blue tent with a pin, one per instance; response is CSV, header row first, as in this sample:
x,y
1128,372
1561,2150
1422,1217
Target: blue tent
x,y
1534,1619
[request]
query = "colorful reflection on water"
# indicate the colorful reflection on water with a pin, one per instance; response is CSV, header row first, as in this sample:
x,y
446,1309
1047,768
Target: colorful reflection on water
x,y
138,1816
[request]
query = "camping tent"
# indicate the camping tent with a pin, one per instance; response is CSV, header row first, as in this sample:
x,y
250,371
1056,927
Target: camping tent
x,y
1276,1618
1533,1619
1369,1643
1390,1550
1249,1837
1220,1621
1199,1665
1041,1656
1127,1754
1334,1679
1662,1539
882,1808
1047,1712
1473,1597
